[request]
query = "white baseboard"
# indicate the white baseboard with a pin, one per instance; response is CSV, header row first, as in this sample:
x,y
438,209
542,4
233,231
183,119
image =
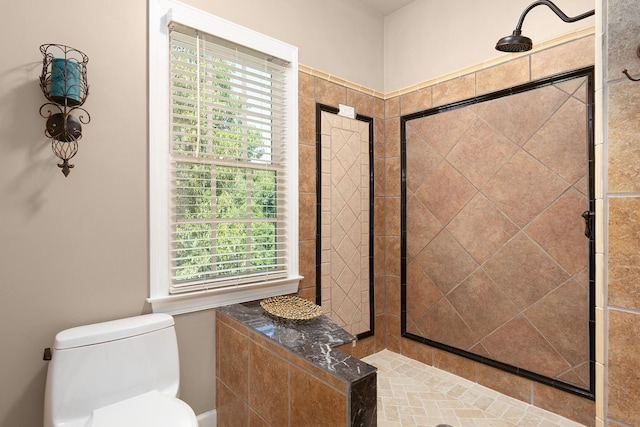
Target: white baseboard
x,y
208,419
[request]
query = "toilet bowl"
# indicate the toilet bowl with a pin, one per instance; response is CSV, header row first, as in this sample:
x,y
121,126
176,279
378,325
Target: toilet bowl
x,y
121,373
148,409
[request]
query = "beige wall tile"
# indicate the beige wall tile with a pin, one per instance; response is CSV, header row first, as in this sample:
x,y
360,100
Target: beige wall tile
x,y
599,173
504,382
392,256
307,221
600,386
381,332
417,100
562,403
364,347
458,365
393,333
392,137
378,107
392,177
393,295
623,130
378,256
622,38
362,103
307,168
306,85
624,252
379,172
269,377
379,216
306,121
378,138
503,76
330,93
392,216
256,421
454,90
307,263
234,360
417,351
313,400
574,55
623,364
230,407
318,373
600,353
392,107
379,297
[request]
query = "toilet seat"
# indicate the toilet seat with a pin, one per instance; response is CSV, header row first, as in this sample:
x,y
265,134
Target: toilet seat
x,y
151,409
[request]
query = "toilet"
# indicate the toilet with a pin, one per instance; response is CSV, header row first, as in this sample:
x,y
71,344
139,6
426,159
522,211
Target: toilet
x,y
121,373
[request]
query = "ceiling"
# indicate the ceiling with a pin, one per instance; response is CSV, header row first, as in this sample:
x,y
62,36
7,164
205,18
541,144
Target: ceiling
x,y
384,7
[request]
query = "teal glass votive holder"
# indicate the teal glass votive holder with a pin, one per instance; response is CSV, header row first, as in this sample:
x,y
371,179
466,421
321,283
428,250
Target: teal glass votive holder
x,y
65,81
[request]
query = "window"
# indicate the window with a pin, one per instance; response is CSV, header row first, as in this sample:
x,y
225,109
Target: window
x,y
223,162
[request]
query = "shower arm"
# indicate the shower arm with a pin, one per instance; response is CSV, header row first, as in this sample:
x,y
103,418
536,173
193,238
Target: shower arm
x,y
555,10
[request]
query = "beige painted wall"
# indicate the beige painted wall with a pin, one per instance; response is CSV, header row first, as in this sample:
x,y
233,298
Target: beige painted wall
x,y
429,38
75,250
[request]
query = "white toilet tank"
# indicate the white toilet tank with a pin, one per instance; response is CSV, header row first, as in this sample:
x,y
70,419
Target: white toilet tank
x,y
97,365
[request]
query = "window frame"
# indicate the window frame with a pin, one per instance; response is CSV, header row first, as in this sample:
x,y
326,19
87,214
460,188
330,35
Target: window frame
x,y
161,13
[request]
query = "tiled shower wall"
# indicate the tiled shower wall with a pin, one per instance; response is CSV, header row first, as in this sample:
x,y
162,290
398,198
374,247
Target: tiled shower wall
x,y
618,306
386,110
521,69
496,251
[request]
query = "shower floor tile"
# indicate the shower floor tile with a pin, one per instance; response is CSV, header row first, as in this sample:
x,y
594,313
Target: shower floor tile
x,y
411,393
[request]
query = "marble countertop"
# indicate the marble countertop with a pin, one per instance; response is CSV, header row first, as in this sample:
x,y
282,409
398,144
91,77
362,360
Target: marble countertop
x,y
313,339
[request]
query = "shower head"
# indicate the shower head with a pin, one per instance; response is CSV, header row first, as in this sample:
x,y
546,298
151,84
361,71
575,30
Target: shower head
x,y
514,43
519,43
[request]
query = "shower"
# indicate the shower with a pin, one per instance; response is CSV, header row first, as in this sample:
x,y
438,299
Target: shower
x,y
516,42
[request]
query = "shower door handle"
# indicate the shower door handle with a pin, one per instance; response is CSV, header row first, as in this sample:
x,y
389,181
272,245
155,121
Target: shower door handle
x,y
588,216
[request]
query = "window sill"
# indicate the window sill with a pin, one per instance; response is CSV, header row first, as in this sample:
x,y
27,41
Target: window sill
x,y
212,298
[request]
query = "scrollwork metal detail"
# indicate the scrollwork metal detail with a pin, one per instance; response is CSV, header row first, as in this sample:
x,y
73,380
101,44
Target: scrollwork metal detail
x,y
64,83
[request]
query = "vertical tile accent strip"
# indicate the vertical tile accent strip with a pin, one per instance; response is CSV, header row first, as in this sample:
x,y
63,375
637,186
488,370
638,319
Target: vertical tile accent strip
x,y
345,219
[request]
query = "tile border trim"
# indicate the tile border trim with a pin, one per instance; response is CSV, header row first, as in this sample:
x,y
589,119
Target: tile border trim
x,y
553,42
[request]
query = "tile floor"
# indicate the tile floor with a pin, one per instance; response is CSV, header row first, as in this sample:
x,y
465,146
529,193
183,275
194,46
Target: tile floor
x,y
411,393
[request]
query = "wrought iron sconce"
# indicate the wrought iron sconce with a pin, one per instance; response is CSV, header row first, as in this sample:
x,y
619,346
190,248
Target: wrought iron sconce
x,y
626,73
516,42
64,83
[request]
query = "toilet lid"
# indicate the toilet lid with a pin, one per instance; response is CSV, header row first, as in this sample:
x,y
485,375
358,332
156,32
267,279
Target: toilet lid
x,y
152,409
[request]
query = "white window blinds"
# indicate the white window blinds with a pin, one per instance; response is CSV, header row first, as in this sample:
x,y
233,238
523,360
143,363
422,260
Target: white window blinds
x,y
228,123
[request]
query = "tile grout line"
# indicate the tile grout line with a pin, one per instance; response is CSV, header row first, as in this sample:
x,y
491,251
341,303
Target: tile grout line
x,y
445,399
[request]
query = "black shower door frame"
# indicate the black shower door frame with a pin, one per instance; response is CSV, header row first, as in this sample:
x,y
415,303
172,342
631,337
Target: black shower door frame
x,y
587,72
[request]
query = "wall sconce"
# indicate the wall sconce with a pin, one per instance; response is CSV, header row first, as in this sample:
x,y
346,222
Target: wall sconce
x,y
64,83
516,42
